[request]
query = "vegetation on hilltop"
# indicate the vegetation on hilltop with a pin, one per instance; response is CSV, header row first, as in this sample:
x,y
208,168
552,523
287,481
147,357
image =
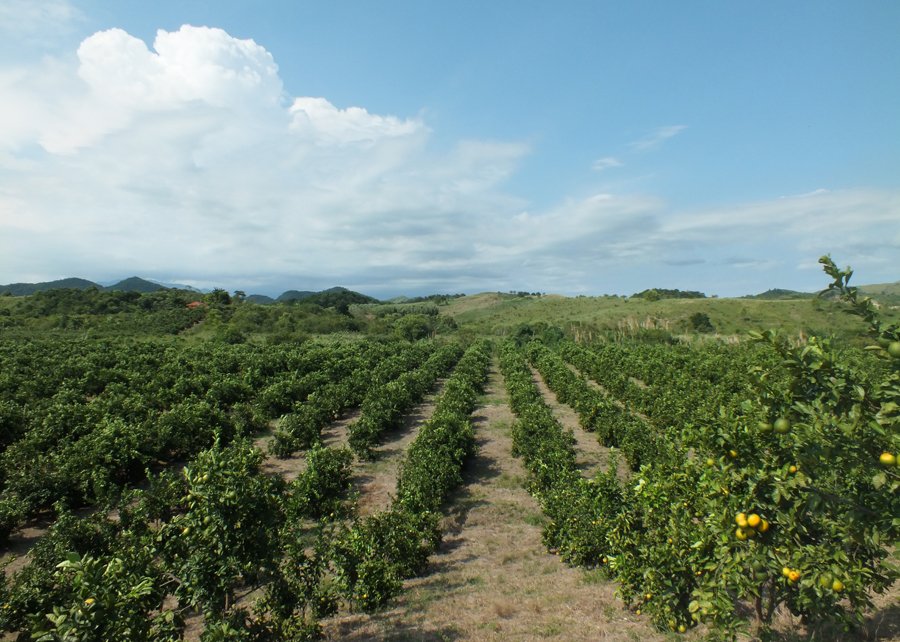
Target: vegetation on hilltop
x,y
136,284
24,289
655,294
779,294
587,318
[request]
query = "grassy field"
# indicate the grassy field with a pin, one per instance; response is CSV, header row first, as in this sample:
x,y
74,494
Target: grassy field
x,y
499,314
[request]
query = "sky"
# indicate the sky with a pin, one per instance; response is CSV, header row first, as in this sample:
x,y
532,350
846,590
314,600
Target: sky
x,y
413,147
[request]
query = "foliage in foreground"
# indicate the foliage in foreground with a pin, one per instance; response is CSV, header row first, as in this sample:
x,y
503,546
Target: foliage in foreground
x,y
785,496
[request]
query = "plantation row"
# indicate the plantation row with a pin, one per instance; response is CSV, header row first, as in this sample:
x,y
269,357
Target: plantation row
x,y
614,424
773,485
82,420
385,405
204,540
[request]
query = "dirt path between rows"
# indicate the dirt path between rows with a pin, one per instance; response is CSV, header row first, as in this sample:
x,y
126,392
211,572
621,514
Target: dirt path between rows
x,y
334,435
591,455
492,578
621,404
376,480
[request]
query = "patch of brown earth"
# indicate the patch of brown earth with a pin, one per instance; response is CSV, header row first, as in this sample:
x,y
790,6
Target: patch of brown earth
x,y
20,543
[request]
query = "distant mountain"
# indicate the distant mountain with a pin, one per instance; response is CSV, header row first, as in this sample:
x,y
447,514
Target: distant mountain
x,y
294,295
336,297
25,289
339,298
885,292
779,294
136,284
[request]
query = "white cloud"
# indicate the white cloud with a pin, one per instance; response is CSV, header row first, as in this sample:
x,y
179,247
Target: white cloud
x,y
607,162
657,137
189,158
188,161
322,122
36,21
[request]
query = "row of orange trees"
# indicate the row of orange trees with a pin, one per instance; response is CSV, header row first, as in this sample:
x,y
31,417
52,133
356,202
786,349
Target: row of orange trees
x,y
378,552
782,493
385,406
253,556
83,420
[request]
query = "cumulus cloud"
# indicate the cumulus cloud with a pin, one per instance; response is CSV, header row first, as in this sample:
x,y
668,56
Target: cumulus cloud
x,y
189,161
190,158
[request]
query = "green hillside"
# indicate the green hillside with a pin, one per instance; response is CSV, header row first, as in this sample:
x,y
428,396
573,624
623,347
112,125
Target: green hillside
x,y
501,314
294,295
885,293
779,294
136,284
25,289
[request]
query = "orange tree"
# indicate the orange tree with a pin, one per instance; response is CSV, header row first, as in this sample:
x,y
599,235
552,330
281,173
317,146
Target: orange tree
x,y
794,501
784,496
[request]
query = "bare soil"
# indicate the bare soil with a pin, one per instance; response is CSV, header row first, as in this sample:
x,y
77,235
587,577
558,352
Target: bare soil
x,y
15,557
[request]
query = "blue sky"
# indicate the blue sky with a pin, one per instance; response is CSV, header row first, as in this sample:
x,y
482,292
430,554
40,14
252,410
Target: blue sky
x,y
413,147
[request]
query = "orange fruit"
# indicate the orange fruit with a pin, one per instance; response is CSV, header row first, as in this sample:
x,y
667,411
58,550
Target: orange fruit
x,y
754,520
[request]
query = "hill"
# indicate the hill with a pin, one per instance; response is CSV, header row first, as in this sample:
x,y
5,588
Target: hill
x,y
611,316
136,284
888,293
655,294
778,294
336,297
25,289
260,299
294,295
